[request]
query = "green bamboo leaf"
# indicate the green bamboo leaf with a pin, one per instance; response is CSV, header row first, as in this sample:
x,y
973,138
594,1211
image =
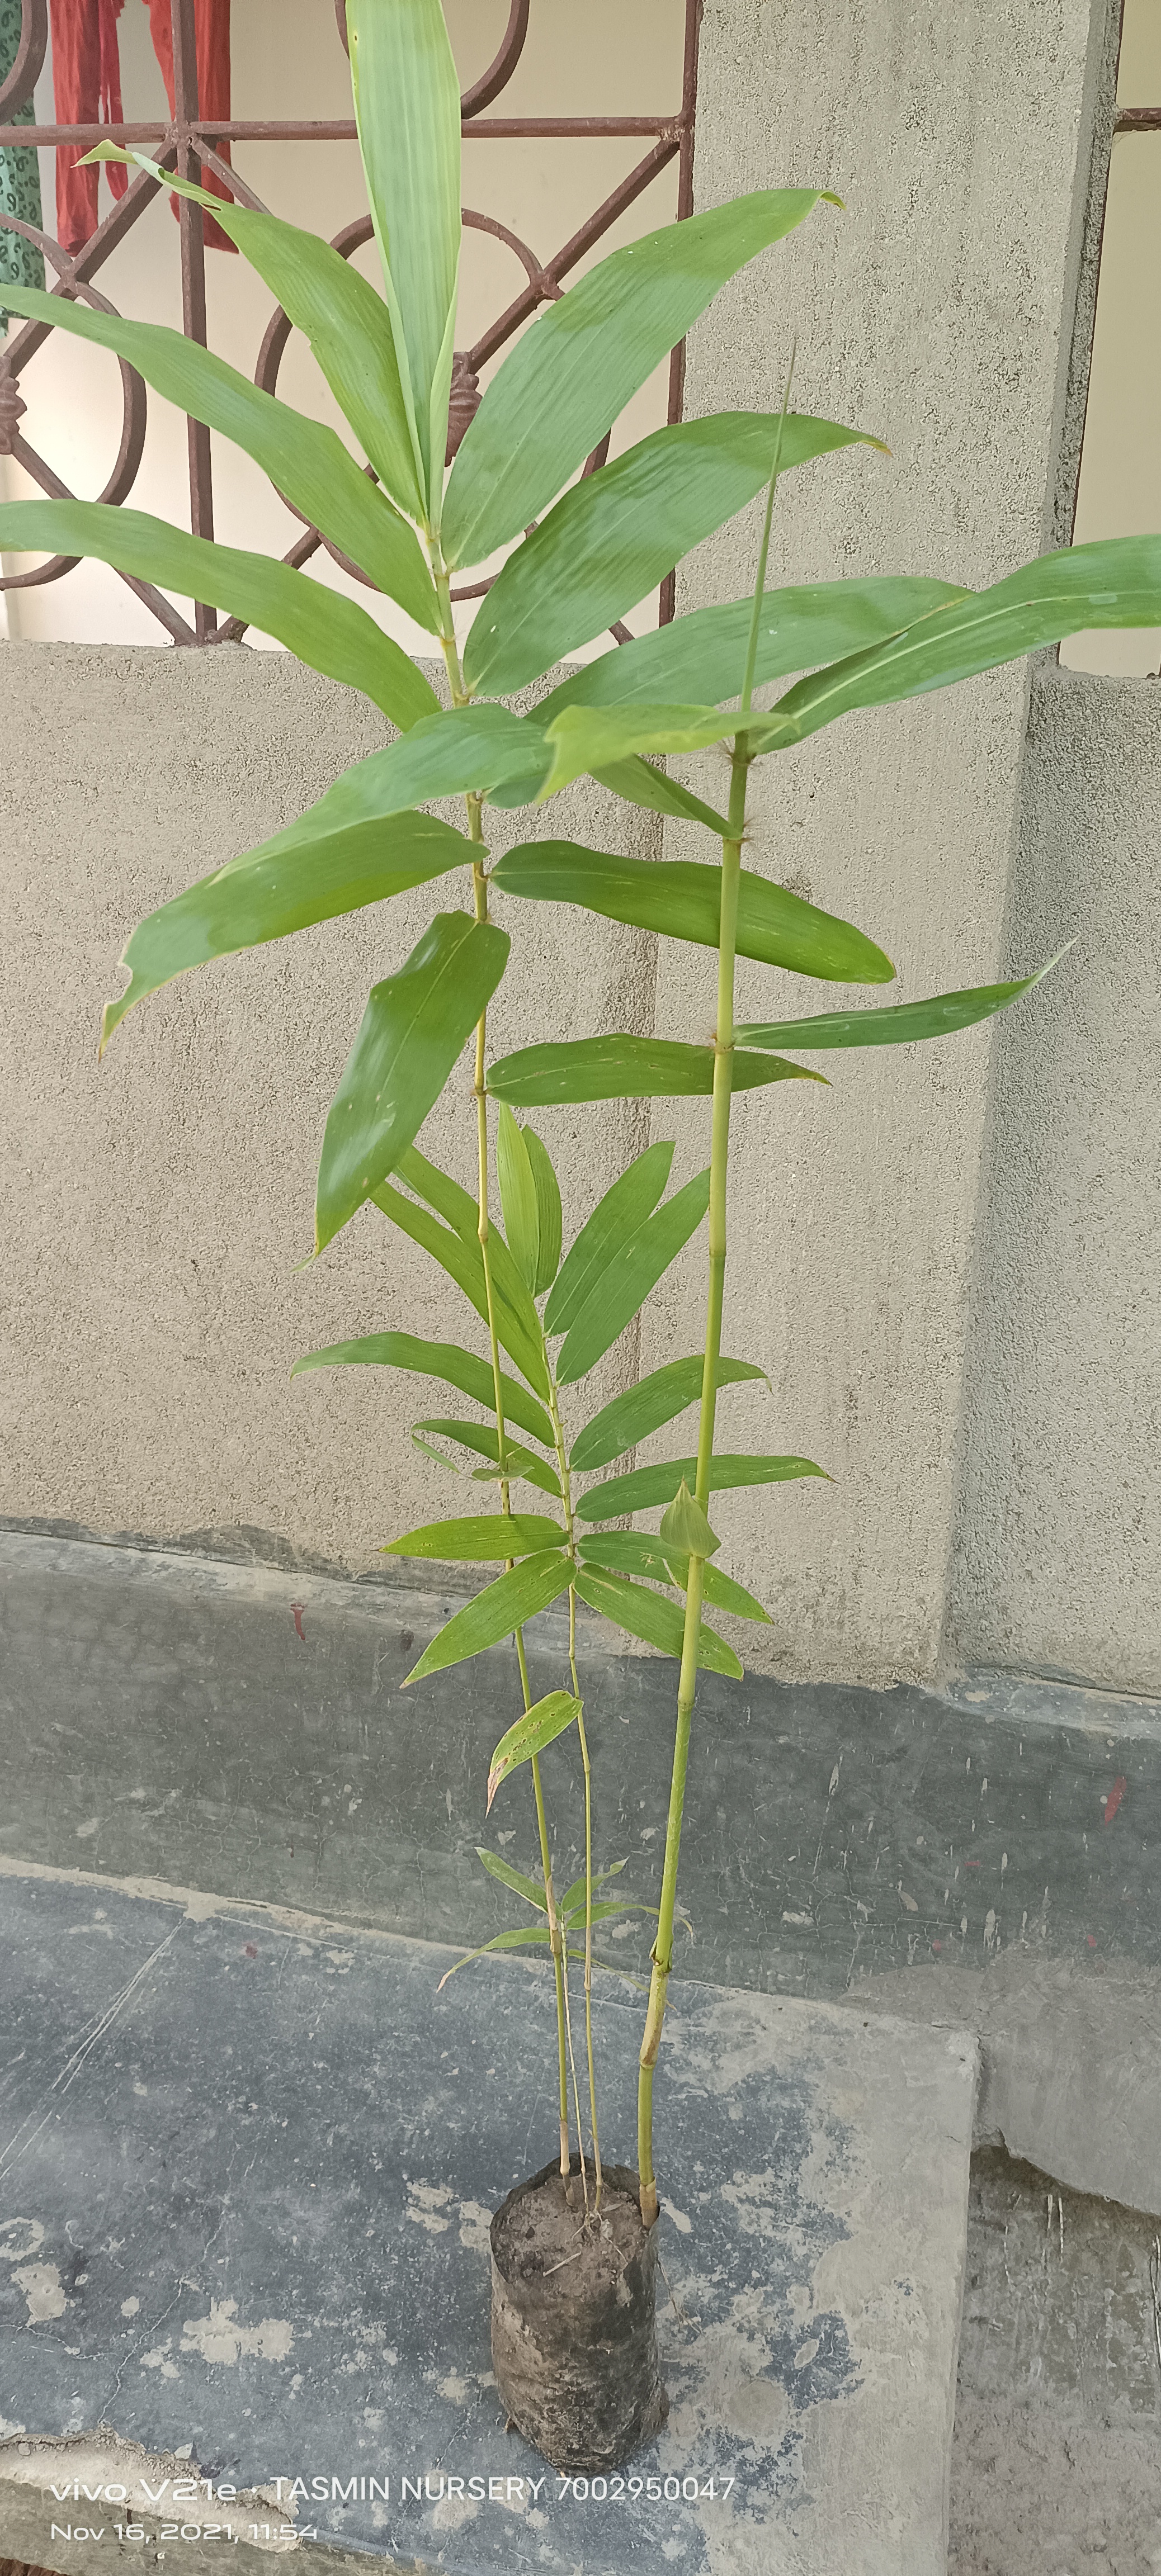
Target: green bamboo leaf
x,y
446,753
1116,582
518,1198
641,784
539,1726
615,1218
415,1027
495,1612
458,1209
512,1878
634,1552
444,1360
573,1899
407,107
327,632
549,1215
900,1025
645,1486
645,1407
617,533
288,883
306,461
703,656
484,1440
682,899
587,740
621,1067
485,1537
517,1940
347,324
570,376
628,1277
684,1525
437,1456
463,1262
656,1621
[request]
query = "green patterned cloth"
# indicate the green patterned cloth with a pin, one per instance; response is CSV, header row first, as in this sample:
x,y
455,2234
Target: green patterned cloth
x,y
20,263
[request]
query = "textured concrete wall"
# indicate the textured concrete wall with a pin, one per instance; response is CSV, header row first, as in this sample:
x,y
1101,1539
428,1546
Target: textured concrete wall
x,y
1060,1535
936,313
156,1206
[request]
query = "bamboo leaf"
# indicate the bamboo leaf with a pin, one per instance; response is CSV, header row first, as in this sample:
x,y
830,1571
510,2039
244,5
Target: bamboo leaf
x,y
495,1612
682,899
415,1027
568,378
589,740
299,877
518,1198
634,1552
1116,582
640,784
347,324
484,1440
325,631
549,1215
617,533
485,1537
517,1940
684,1525
512,1878
407,107
447,753
900,1025
539,1726
645,1407
463,1262
656,1621
306,461
719,1589
627,1278
703,655
615,1218
574,1896
458,1208
621,1067
444,1360
646,1486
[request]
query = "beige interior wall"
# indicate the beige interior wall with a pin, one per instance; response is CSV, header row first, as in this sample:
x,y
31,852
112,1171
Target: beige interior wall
x,y
288,62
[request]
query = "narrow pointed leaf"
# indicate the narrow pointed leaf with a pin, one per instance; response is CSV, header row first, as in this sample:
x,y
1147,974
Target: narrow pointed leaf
x,y
617,533
407,107
346,322
518,1198
444,1360
627,1278
574,1896
549,1215
484,1440
495,1612
321,628
641,784
539,1726
305,460
512,1878
1116,582
682,899
626,1068
633,1552
463,1262
615,1218
487,1537
287,884
458,1209
900,1025
414,1029
517,1940
703,656
568,378
656,1399
590,740
447,753
685,1525
646,1486
657,1621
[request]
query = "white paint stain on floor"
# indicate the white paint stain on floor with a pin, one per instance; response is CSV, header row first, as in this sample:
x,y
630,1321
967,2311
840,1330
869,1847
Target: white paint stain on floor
x,y
219,2338
44,2291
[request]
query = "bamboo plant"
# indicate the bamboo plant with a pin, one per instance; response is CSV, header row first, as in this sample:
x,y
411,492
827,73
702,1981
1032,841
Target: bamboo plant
x,y
575,556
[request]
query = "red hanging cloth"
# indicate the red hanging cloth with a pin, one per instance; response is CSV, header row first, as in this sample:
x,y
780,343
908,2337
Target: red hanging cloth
x,y
212,29
86,80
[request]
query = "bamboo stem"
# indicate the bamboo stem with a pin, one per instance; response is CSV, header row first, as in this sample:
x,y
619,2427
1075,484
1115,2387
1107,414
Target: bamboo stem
x,y
570,1527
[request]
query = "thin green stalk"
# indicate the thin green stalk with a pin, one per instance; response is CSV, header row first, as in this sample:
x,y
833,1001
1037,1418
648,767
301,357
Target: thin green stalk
x,y
570,1526
719,1175
459,696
